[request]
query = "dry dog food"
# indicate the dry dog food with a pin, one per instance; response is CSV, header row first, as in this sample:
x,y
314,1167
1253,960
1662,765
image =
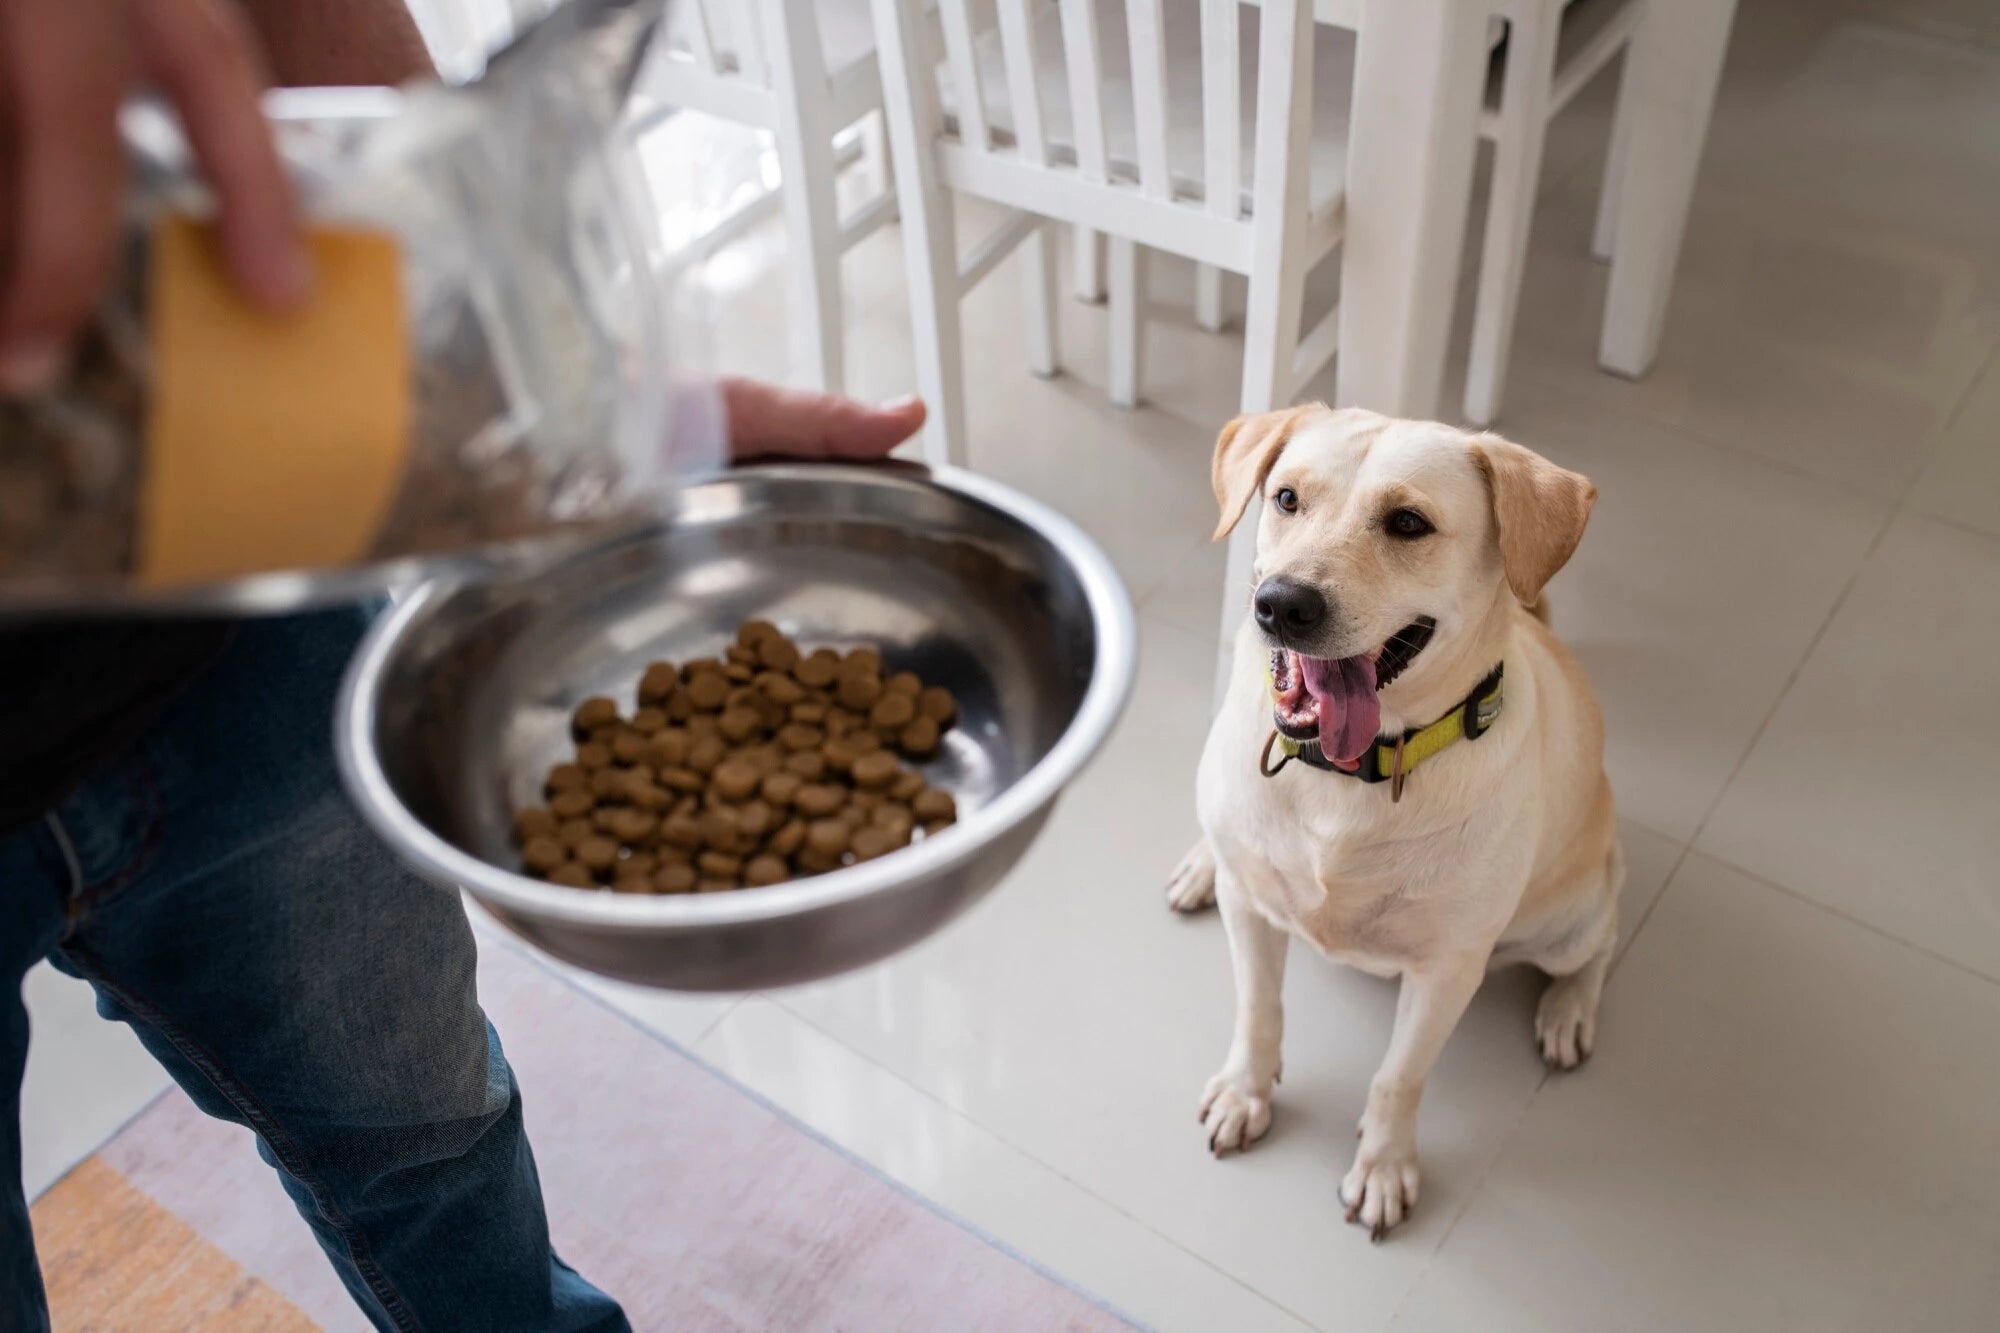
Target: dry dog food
x,y
755,767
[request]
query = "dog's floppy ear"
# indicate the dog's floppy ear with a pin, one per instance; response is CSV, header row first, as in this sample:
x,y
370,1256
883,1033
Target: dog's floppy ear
x,y
1244,454
1539,511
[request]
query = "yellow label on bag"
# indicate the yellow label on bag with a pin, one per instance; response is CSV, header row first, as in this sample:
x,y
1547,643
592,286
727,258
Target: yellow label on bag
x,y
273,440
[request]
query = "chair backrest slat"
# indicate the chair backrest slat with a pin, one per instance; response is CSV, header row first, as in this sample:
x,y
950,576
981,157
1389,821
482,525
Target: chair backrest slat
x,y
701,41
1086,79
955,16
1017,51
1145,31
1221,108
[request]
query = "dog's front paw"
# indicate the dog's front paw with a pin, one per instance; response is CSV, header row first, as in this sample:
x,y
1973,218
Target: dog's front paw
x,y
1235,1111
1192,885
1381,1189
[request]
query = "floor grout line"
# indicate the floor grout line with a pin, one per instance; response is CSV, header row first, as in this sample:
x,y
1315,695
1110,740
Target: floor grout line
x,y
1038,1160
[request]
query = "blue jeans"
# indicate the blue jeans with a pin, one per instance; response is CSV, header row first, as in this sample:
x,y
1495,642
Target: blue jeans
x,y
224,901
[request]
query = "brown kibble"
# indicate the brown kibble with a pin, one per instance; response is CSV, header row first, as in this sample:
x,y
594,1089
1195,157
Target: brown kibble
x,y
628,747
778,653
808,714
817,671
906,786
683,831
719,865
872,842
813,863
819,799
718,830
766,869
865,660
937,704
707,691
668,749
858,691
701,725
648,721
597,854
807,764
791,836
699,666
643,863
739,724
754,819
532,823
827,837
683,780
565,777
634,827
739,673
752,632
571,875
919,740
674,877
875,770
839,722
780,788
573,831
734,779
715,886
659,683
705,754
840,753
893,712
592,713
679,708
571,802
932,805
738,655
543,854
744,696
605,817
608,784
631,883
799,736
896,820
780,689
903,682
593,755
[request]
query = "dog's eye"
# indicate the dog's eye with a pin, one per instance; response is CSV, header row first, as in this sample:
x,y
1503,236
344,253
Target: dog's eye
x,y
1408,523
1287,500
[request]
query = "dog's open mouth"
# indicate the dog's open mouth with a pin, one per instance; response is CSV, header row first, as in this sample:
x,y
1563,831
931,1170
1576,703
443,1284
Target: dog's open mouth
x,y
1337,701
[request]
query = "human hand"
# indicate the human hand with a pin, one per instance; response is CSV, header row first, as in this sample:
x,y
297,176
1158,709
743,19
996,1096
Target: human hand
x,y
65,67
766,421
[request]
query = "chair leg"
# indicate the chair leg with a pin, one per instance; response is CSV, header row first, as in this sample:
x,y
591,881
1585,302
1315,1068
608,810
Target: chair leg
x,y
812,213
930,246
1602,235
1510,208
1128,333
1038,298
1210,309
1088,262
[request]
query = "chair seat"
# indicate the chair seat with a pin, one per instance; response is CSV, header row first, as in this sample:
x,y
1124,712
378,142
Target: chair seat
x,y
1333,84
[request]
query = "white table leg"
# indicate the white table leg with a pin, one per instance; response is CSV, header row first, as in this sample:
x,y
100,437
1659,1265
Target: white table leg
x,y
1671,72
1419,81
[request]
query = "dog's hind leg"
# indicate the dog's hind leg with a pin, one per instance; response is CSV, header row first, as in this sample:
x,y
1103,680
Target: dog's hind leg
x,y
1566,1018
1192,885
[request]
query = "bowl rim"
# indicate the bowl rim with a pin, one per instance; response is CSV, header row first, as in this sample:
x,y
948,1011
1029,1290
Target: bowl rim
x,y
1112,673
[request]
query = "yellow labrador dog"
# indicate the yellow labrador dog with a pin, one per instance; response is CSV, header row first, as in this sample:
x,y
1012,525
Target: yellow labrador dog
x,y
1407,772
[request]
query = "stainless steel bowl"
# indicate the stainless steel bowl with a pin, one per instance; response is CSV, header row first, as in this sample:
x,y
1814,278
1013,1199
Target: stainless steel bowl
x,y
460,698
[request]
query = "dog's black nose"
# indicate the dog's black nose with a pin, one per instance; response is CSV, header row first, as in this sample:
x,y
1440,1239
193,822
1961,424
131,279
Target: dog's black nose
x,y
1287,607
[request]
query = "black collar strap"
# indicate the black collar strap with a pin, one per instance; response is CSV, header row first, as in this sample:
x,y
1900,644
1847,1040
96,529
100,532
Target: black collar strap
x,y
1392,758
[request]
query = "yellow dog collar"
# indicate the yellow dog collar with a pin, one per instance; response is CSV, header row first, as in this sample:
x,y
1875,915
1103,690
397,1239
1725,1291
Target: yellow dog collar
x,y
1392,759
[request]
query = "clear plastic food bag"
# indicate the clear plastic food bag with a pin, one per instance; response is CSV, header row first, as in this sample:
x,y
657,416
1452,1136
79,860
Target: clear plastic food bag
x,y
532,352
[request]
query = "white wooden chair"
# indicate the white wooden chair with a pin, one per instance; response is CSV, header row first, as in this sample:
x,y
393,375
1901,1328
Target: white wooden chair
x,y
1128,120
806,71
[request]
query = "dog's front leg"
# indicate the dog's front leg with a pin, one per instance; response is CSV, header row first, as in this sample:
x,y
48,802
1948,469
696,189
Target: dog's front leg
x,y
1381,1189
1236,1105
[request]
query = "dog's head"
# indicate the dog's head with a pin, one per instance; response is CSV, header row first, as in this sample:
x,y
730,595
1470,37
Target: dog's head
x,y
1384,547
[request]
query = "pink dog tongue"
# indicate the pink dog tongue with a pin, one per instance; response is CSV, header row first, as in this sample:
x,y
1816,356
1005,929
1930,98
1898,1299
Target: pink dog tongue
x,y
1350,712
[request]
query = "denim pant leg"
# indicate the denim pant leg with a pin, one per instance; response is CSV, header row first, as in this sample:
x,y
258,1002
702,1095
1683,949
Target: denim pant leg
x,y
294,978
31,921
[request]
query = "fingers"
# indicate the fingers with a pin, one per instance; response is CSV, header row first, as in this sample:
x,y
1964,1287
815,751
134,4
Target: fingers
x,y
203,57
64,66
765,420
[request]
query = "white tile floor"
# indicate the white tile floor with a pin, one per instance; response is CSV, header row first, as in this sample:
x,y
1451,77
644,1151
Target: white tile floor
x,y
1790,601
